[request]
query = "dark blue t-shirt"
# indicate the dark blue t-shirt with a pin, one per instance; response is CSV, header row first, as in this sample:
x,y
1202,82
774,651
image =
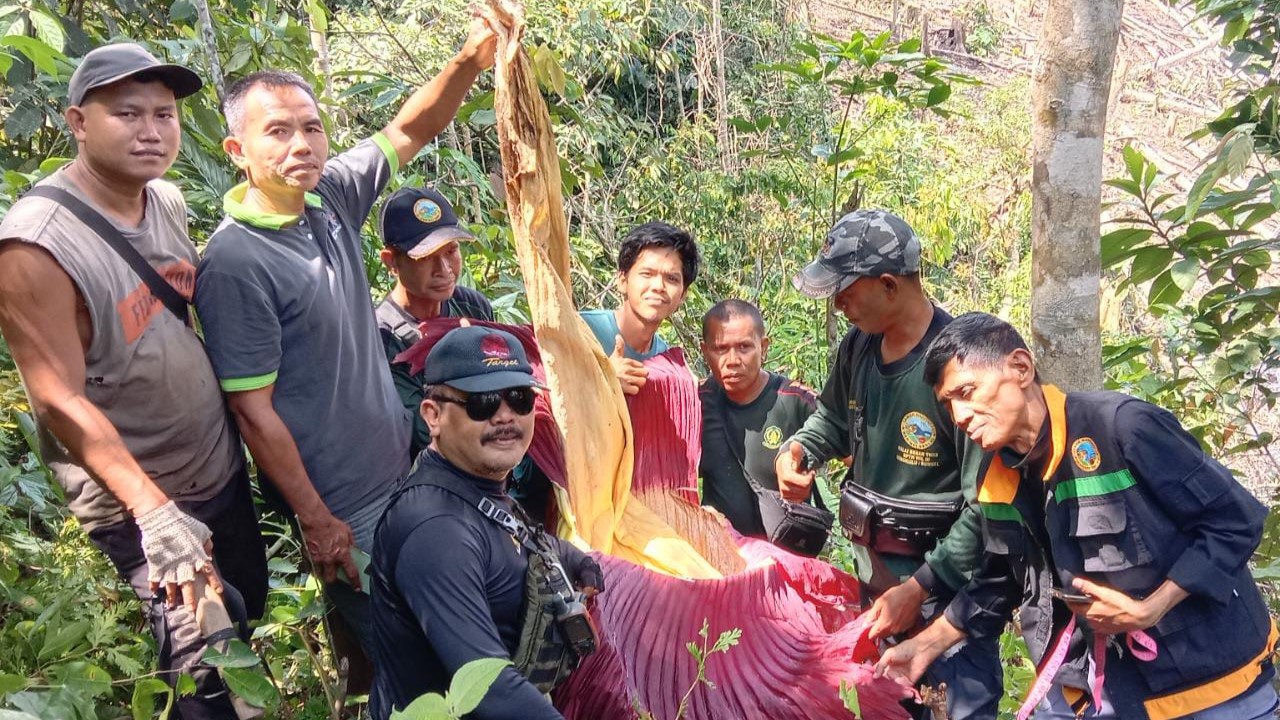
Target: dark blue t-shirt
x,y
448,588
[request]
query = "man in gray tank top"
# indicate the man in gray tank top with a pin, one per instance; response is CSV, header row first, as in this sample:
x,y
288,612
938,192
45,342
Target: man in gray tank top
x,y
131,420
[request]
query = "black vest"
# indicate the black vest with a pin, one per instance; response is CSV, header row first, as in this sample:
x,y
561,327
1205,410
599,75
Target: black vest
x,y
1102,523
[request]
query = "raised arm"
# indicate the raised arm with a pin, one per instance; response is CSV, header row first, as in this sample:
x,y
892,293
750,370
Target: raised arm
x,y
430,110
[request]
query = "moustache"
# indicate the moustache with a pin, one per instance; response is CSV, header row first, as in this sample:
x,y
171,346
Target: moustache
x,y
502,433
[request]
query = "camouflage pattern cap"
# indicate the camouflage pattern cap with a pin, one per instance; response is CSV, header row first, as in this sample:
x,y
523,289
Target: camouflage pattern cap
x,y
861,244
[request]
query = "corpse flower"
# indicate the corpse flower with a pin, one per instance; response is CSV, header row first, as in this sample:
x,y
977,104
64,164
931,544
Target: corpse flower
x,y
624,484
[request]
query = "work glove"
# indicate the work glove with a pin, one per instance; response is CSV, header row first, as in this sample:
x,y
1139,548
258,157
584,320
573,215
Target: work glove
x,y
173,543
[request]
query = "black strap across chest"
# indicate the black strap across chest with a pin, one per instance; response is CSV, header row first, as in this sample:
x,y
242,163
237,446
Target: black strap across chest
x,y
160,287
516,524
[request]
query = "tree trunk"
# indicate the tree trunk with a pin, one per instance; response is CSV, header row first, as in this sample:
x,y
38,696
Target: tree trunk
x,y
722,96
320,46
210,40
1069,113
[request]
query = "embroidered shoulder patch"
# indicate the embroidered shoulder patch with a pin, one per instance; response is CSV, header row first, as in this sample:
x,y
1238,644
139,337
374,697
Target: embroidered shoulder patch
x,y
1084,452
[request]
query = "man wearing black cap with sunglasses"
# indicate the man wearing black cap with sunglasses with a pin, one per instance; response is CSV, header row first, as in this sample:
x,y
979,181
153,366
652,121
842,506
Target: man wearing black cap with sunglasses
x,y
131,420
422,238
452,551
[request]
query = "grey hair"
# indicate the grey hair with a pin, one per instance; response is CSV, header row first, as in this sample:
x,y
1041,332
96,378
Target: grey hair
x,y
233,104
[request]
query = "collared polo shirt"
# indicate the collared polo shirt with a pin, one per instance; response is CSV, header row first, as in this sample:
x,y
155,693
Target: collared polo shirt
x,y
285,302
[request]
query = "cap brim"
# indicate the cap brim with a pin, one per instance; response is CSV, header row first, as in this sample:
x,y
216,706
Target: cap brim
x,y
437,239
182,80
817,281
494,381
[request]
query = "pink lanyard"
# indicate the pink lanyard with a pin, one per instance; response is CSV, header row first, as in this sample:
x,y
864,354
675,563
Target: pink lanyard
x,y
1142,645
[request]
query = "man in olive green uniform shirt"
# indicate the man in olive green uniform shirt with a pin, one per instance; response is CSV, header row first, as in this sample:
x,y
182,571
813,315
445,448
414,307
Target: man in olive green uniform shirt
x,y
908,447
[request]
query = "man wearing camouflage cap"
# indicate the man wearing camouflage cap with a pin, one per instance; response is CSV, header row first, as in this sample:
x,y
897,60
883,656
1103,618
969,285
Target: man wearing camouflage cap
x,y
907,456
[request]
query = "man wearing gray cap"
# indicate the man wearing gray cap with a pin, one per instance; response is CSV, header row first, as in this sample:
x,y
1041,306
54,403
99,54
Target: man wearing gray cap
x,y
917,538
96,270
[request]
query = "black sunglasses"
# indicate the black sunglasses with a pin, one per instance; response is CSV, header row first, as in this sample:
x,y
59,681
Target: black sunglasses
x,y
482,406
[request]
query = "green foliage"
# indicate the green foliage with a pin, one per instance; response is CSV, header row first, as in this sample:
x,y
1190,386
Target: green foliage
x,y
636,120
1204,263
849,696
982,34
467,689
727,640
1019,673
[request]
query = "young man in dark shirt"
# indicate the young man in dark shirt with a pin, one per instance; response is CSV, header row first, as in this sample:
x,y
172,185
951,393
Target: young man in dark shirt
x,y
747,412
877,407
1126,545
448,576
422,248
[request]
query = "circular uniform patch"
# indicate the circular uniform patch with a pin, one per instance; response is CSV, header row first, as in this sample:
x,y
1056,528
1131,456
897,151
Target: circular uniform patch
x,y
771,438
426,210
1085,454
918,430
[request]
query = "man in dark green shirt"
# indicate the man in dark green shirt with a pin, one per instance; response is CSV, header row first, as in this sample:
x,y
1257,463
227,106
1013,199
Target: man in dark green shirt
x,y
422,237
747,411
908,448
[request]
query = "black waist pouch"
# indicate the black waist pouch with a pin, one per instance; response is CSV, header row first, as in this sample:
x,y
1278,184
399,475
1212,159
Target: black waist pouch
x,y
894,525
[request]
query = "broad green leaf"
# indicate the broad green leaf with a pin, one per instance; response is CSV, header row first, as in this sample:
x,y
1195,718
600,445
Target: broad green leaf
x,y
24,121
182,11
11,683
186,685
38,52
472,682
59,638
145,690
48,28
250,686
1118,245
52,164
1239,150
1184,273
850,153
237,655
82,678
1135,163
1149,262
938,94
319,18
16,715
6,62
427,707
849,694
1162,294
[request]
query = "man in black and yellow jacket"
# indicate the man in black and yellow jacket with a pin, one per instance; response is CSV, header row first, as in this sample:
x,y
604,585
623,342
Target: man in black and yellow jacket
x,y
1126,545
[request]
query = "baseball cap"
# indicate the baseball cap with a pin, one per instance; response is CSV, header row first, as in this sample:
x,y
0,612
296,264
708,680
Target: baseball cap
x,y
861,244
478,359
118,61
419,221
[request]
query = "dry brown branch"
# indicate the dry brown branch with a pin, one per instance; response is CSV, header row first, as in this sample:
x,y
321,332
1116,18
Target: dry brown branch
x,y
1022,69
1169,101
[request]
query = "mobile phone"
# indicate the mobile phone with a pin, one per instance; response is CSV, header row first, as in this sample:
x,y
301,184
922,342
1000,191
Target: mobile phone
x,y
1072,597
